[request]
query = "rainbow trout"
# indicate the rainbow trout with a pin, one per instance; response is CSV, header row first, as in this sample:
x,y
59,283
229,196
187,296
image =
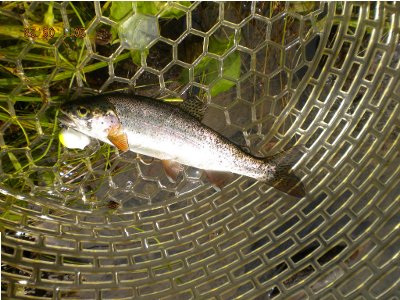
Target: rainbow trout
x,y
175,134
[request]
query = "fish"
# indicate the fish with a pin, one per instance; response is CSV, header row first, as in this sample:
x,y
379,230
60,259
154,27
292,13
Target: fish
x,y
175,135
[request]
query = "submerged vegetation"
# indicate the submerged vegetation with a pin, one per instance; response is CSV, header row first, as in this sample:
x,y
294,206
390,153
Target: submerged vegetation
x,y
52,51
48,49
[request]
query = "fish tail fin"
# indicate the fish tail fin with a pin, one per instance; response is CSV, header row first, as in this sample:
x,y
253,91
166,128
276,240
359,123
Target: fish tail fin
x,y
284,179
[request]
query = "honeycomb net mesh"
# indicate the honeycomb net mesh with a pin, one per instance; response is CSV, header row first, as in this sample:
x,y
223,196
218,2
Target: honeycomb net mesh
x,y
99,224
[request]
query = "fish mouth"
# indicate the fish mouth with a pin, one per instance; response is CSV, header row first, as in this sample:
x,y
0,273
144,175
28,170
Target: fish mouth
x,y
66,120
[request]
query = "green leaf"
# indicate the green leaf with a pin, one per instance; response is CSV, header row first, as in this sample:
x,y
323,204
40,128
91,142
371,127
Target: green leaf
x,y
49,16
12,216
302,6
207,70
114,35
48,178
231,69
170,12
137,56
172,100
120,9
14,161
148,7
164,9
220,46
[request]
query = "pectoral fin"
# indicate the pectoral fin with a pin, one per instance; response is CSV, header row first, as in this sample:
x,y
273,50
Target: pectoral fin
x,y
172,168
118,138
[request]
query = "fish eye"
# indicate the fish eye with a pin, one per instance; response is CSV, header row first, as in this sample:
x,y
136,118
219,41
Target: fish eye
x,y
82,111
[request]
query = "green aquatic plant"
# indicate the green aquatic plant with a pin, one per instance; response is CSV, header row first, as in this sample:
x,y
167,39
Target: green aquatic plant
x,y
120,9
36,75
140,29
220,74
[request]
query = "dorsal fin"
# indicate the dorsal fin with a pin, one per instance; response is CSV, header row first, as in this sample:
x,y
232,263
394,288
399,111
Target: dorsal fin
x,y
194,107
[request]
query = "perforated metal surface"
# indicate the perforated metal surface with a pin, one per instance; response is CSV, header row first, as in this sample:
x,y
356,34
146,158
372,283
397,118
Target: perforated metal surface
x,y
85,225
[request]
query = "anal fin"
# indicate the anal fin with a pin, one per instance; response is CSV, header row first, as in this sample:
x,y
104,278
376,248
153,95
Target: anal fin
x,y
219,179
172,168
